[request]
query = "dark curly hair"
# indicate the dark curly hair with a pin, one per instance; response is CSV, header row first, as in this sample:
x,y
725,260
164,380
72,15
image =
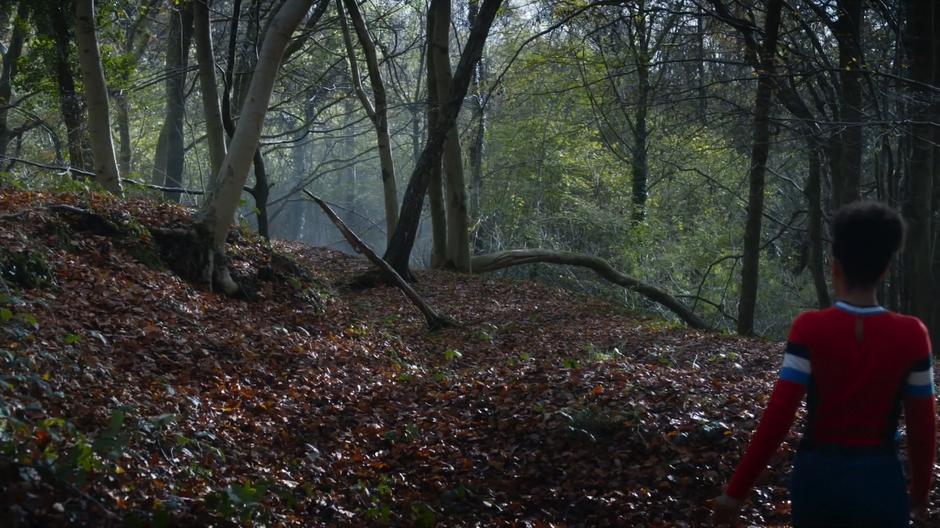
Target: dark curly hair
x,y
865,235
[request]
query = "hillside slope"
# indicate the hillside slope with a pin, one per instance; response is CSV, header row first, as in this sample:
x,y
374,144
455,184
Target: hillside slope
x,y
128,396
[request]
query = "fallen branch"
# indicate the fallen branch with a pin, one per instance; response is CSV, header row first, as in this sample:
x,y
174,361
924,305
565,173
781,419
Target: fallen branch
x,y
518,257
435,321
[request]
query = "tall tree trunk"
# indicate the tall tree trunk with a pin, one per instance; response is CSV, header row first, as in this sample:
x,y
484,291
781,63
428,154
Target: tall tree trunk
x,y
640,163
402,242
815,227
436,181
215,131
177,64
124,131
458,223
215,216
136,40
702,103
296,216
261,191
759,153
158,171
246,58
920,43
478,126
377,112
73,113
8,72
351,175
848,32
96,93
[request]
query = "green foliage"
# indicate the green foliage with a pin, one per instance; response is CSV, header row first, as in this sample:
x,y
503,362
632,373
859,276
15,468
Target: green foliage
x,y
240,502
26,268
452,355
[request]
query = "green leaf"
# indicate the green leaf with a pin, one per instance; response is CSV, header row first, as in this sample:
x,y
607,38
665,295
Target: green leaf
x,y
5,315
71,339
110,441
424,515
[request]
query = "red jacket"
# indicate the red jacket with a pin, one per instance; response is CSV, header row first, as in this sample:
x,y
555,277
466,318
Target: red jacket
x,y
859,366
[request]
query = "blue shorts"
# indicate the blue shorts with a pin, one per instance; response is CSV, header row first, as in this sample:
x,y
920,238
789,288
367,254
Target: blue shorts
x,y
849,490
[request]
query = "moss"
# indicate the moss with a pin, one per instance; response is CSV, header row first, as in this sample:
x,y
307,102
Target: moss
x,y
26,268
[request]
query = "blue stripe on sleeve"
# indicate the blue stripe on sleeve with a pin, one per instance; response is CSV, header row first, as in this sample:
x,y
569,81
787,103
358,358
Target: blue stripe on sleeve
x,y
921,364
796,376
797,350
920,391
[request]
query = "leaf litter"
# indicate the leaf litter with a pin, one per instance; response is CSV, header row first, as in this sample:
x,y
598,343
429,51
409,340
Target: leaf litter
x,y
316,403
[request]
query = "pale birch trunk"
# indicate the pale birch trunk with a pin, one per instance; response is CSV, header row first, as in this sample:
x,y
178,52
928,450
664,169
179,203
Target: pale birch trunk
x,y
96,94
215,131
217,213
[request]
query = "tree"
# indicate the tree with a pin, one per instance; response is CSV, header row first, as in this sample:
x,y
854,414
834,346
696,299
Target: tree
x,y
58,27
846,178
402,241
96,93
377,111
477,146
922,46
215,130
439,73
168,161
10,57
216,214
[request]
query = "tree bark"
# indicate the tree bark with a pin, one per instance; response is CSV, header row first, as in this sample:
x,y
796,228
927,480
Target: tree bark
x,y
702,102
505,259
124,132
216,214
477,147
377,112
759,153
399,249
436,180
640,163
136,39
215,131
70,103
177,64
815,227
8,73
920,42
96,94
848,31
261,191
458,223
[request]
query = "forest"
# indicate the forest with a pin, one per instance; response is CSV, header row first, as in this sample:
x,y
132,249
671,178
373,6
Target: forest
x,y
433,262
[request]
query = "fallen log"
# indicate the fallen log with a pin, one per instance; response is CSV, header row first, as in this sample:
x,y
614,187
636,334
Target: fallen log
x,y
517,257
435,320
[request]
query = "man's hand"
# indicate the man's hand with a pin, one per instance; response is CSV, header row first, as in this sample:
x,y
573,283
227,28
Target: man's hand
x,y
727,511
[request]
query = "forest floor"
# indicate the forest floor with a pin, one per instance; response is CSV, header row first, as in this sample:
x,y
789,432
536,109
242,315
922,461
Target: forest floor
x,y
130,397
